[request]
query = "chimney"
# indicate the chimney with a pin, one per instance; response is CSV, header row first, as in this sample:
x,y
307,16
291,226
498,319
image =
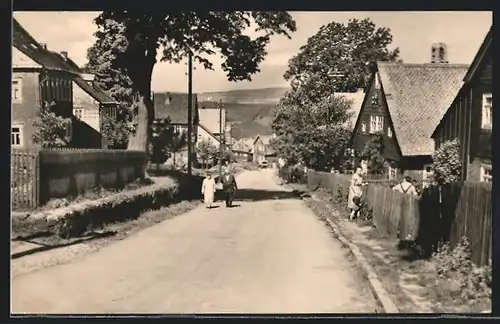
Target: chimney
x,y
64,54
44,46
439,53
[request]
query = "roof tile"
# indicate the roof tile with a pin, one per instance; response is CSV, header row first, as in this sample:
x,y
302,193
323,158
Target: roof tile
x,y
417,96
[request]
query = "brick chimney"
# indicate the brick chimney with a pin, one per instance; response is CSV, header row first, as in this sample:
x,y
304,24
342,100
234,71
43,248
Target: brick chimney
x,y
64,54
439,53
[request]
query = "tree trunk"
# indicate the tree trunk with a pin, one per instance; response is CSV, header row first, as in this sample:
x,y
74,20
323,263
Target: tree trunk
x,y
144,114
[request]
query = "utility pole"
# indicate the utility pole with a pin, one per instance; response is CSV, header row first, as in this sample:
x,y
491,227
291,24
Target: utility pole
x,y
220,138
190,117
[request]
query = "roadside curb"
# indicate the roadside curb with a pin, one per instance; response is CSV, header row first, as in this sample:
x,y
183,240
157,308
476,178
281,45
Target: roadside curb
x,y
378,290
382,297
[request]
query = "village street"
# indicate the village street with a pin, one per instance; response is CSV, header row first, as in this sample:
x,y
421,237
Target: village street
x,y
269,254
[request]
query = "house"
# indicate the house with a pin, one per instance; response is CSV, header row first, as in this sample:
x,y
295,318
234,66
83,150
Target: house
x,y
242,148
404,103
91,105
37,78
261,148
211,116
174,106
356,99
41,76
469,117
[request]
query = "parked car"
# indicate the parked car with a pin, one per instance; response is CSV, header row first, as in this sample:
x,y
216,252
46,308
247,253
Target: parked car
x,y
263,164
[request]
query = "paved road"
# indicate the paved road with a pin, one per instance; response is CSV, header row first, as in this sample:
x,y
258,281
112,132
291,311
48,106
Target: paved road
x,y
267,255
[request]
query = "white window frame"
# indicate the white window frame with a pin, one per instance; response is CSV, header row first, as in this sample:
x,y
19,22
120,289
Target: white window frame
x,y
425,173
389,131
363,127
376,124
377,81
21,137
486,111
484,177
81,110
19,89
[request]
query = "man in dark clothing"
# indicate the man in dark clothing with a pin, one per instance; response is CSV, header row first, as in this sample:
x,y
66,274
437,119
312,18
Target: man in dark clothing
x,y
229,187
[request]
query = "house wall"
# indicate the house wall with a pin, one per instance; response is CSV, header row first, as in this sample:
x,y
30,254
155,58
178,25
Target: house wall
x,y
24,109
375,107
463,121
90,106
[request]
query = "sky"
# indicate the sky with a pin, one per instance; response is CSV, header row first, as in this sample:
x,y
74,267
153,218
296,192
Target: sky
x,y
413,32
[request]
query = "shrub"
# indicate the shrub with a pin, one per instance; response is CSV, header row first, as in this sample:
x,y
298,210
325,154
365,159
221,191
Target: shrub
x,y
456,271
446,162
51,130
373,152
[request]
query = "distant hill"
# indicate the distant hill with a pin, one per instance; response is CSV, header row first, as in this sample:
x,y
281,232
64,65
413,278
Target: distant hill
x,y
249,111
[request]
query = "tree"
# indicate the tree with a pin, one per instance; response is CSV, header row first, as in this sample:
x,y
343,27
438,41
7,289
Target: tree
x,y
311,133
176,141
373,153
334,59
178,35
51,130
446,162
206,151
114,81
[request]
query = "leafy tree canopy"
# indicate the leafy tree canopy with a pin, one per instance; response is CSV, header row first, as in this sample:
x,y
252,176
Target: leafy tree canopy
x,y
446,162
335,58
51,130
373,153
177,35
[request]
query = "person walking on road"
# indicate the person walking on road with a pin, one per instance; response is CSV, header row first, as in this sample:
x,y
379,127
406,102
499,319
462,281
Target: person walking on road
x,y
406,187
229,187
355,193
208,190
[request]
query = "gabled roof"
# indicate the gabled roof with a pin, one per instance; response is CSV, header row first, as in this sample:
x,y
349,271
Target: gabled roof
x,y
93,91
478,59
26,44
174,105
68,63
356,99
211,119
417,96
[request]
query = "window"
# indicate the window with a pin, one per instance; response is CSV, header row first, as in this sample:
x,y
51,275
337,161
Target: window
x,y
389,131
486,173
486,120
17,135
363,127
393,172
377,81
376,124
427,172
17,90
78,113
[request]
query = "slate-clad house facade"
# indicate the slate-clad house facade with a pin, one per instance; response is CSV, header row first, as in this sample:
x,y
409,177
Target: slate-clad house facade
x,y
469,117
404,103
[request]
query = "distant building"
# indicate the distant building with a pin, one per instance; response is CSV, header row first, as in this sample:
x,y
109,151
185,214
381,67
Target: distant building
x,y
469,117
261,148
211,116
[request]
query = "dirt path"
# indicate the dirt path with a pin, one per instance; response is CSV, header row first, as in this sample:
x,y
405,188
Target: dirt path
x,y
270,254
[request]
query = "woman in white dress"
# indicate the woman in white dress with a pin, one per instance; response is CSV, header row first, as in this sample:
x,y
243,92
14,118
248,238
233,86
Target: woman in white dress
x,y
208,190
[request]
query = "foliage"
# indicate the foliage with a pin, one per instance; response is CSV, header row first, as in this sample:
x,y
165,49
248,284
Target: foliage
x,y
335,58
207,151
463,279
168,142
446,162
311,133
373,153
51,130
116,133
177,35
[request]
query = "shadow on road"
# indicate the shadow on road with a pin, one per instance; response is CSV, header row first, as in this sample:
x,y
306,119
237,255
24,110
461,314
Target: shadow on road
x,y
260,195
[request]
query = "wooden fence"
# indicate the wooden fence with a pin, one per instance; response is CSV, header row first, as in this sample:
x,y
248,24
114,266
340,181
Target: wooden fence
x,y
39,175
442,213
25,176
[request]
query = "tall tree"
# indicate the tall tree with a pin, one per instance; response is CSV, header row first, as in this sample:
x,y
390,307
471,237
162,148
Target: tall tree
x,y
335,58
179,34
113,80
